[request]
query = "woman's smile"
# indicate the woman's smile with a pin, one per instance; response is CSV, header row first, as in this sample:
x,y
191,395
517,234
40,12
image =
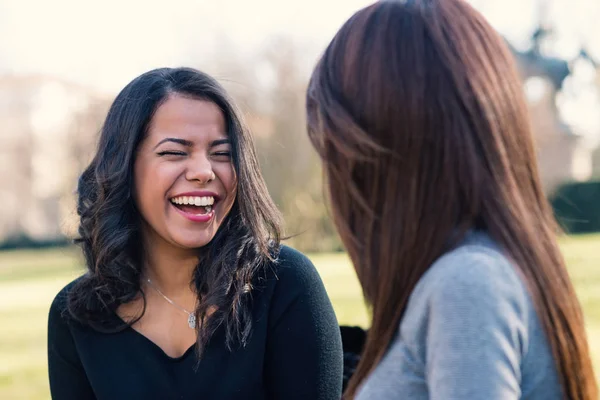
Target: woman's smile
x,y
199,206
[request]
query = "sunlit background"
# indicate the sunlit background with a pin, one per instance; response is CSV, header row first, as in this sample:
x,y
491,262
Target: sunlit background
x,y
63,61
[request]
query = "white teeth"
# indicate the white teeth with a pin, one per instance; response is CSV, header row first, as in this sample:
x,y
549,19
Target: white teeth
x,y
194,200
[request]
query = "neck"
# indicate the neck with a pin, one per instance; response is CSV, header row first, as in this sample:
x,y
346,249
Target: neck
x,y
168,267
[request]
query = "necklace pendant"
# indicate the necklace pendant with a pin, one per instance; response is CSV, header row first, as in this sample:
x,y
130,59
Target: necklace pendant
x,y
192,321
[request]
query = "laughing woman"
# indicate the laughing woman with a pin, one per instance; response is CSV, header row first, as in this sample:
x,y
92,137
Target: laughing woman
x,y
188,292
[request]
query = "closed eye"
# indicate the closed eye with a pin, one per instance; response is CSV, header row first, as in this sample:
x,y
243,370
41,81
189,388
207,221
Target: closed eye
x,y
222,154
171,153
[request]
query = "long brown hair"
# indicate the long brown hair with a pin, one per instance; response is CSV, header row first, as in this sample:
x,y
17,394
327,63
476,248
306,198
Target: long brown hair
x,y
417,112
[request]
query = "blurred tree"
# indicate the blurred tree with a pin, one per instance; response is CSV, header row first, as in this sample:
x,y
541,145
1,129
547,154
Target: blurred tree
x,y
16,150
290,165
82,136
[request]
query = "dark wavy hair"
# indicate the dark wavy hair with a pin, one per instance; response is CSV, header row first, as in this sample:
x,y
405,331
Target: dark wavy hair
x,y
417,111
109,231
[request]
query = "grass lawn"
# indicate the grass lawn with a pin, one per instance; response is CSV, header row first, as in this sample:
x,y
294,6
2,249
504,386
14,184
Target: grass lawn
x,y
30,279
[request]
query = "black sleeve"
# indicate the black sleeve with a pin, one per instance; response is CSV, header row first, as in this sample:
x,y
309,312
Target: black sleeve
x,y
68,380
304,349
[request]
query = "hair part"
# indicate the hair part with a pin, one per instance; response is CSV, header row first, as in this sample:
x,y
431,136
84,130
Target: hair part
x,y
417,112
109,231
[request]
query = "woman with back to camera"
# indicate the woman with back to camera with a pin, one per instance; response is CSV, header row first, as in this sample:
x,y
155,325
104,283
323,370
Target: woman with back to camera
x,y
417,112
181,242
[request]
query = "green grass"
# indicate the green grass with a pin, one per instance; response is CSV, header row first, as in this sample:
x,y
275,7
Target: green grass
x,y
30,279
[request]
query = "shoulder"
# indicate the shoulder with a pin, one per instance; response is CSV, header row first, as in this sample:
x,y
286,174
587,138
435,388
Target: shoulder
x,y
59,306
292,275
472,294
474,286
292,266
298,297
473,270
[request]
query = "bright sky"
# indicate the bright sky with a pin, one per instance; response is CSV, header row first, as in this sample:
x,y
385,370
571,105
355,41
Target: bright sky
x,y
106,43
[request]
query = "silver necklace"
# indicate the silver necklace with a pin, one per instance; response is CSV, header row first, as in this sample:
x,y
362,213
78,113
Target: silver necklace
x,y
191,316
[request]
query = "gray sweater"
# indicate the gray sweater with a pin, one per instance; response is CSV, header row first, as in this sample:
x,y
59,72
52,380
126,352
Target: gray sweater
x,y
470,331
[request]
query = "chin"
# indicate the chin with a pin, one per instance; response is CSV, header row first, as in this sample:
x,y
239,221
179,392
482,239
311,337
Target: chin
x,y
192,244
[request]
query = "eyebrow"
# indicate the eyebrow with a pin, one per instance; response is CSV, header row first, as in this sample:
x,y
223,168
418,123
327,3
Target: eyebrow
x,y
218,142
188,143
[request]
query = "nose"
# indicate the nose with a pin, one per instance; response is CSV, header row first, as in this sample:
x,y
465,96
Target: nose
x,y
200,169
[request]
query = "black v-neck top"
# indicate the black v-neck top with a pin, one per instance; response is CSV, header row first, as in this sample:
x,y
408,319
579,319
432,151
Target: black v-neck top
x,y
295,351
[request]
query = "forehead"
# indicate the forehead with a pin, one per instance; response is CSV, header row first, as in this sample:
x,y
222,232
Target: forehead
x,y
187,118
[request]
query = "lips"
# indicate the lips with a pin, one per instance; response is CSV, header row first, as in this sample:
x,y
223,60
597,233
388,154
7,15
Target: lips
x,y
195,214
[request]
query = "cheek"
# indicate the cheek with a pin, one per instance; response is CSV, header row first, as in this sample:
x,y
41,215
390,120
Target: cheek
x,y
228,178
151,183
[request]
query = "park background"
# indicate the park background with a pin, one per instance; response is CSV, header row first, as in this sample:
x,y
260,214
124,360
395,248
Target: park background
x,y
63,62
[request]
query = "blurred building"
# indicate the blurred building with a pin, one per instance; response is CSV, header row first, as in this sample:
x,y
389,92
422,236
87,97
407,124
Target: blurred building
x,y
564,102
